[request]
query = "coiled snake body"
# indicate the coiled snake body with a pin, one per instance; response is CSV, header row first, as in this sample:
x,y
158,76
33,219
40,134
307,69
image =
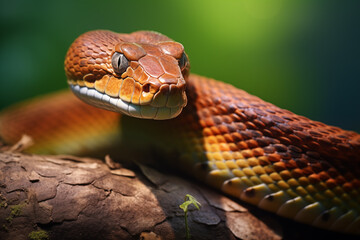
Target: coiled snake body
x,y
236,142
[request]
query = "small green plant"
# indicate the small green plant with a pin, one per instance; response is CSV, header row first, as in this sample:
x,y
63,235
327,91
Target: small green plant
x,y
39,235
184,206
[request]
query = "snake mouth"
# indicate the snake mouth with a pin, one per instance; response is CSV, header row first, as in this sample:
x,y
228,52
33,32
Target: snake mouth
x,y
131,98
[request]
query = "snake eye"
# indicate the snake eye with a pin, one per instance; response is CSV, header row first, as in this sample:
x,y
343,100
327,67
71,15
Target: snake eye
x,y
182,61
119,62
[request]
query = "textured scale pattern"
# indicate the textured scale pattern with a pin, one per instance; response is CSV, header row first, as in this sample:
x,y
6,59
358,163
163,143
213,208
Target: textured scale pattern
x,y
270,157
267,156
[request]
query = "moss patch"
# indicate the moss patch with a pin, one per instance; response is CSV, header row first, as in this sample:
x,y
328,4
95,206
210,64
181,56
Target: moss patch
x,y
15,210
39,235
3,202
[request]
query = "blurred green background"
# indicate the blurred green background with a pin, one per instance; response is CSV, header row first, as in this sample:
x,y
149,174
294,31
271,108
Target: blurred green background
x,y
300,55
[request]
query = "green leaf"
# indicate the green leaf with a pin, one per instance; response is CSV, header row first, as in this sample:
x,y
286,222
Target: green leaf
x,y
193,201
184,205
188,201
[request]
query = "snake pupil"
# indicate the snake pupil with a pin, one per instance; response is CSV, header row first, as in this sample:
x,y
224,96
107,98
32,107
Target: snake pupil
x,y
119,62
182,61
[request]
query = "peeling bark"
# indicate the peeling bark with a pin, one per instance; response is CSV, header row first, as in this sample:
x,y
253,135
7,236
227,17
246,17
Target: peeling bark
x,y
83,198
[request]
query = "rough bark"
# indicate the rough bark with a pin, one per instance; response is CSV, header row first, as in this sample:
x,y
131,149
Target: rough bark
x,y
66,197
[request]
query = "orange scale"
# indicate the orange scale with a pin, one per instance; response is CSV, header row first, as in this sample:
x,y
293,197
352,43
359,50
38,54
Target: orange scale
x,y
297,173
152,66
101,84
170,65
202,123
131,51
252,143
137,74
231,164
258,170
263,161
253,161
301,191
248,172
324,176
227,119
144,76
222,109
80,83
209,122
247,153
134,65
237,155
224,147
266,179
304,181
146,98
137,93
311,189
228,138
314,178
220,165
275,176
223,129
279,166
215,148
291,164
250,125
269,169
285,140
258,152
220,139
285,174
207,132
236,136
242,163
128,73
274,157
127,89
113,87
168,79
283,185
217,156
215,130
232,147
242,145
331,183
307,170
211,140
227,155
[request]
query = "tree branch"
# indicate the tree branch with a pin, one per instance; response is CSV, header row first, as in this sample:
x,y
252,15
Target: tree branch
x,y
65,197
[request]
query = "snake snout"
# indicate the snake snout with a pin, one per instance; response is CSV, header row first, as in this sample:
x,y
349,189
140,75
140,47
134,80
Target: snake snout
x,y
170,99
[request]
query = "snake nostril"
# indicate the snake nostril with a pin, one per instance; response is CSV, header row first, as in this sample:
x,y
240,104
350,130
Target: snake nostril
x,y
146,88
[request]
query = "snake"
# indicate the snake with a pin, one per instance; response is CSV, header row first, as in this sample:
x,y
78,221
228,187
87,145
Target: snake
x,y
137,89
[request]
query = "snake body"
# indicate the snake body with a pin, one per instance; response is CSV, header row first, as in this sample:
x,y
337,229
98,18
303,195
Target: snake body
x,y
282,162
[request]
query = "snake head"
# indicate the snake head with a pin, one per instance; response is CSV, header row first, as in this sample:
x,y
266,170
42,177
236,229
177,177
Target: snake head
x,y
140,74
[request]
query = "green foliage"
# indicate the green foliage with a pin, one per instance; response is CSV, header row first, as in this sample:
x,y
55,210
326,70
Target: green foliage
x,y
3,202
15,210
39,235
184,206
